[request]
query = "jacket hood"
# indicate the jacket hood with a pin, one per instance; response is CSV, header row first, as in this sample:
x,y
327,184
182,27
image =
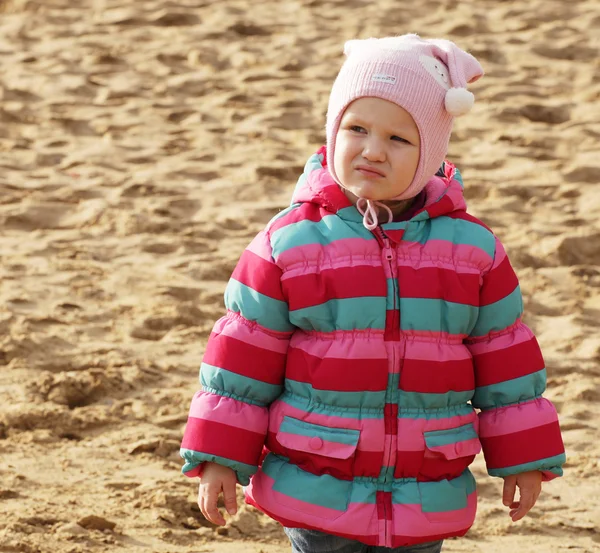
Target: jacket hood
x,y
444,191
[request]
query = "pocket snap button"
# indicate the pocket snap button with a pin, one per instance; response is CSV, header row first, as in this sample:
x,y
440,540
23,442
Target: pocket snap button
x,y
316,443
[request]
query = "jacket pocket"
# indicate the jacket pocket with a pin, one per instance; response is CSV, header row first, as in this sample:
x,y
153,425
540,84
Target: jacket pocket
x,y
314,439
449,452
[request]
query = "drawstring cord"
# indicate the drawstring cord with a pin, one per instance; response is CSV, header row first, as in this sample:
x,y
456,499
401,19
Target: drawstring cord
x,y
370,214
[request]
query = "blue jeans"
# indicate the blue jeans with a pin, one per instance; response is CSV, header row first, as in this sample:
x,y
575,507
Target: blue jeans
x,y
312,541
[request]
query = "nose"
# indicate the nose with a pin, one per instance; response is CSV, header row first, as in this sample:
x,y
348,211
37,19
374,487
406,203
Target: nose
x,y
374,149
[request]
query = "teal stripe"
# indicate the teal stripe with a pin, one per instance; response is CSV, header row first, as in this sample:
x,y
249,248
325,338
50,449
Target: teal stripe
x,y
436,315
324,232
517,390
391,297
299,484
551,464
446,495
393,388
369,400
418,400
254,306
458,177
346,436
438,438
342,314
194,458
499,315
457,231
352,214
240,387
444,409
351,412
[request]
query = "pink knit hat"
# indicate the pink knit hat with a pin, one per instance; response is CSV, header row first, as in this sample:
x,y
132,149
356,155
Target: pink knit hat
x,y
427,78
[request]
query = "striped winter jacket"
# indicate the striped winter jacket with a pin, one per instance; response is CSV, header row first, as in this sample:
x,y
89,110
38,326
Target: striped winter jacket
x,y
357,374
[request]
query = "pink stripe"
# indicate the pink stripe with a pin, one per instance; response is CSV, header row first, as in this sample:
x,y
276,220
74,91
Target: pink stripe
x,y
412,430
309,256
358,520
315,445
343,263
409,520
371,430
516,418
234,326
461,254
427,351
260,246
229,411
411,261
518,334
351,346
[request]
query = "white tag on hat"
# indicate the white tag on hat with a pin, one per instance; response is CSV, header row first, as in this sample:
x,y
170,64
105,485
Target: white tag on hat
x,y
382,78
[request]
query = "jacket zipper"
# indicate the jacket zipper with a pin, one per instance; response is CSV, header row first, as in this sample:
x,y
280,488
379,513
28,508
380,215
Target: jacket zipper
x,y
389,415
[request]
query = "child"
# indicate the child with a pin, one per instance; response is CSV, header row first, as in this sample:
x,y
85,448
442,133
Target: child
x,y
366,325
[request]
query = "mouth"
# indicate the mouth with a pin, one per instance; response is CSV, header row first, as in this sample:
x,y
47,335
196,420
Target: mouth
x,y
369,171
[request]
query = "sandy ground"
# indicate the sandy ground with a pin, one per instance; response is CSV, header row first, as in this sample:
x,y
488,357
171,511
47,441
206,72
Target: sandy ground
x,y
143,144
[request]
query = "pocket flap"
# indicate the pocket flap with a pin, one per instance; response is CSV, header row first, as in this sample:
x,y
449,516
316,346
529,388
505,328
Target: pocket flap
x,y
338,443
454,442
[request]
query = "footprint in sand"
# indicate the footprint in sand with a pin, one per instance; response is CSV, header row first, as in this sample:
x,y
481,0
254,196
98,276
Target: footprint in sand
x,y
538,113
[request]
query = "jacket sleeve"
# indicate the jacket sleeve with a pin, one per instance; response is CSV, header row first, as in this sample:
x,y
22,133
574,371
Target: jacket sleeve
x,y
518,428
242,369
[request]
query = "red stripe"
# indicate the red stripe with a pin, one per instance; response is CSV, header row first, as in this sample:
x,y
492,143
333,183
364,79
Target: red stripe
x,y
379,498
464,216
437,377
438,283
368,463
245,359
392,325
259,274
344,282
390,414
215,438
312,462
523,447
344,375
305,212
414,464
508,363
498,283
442,207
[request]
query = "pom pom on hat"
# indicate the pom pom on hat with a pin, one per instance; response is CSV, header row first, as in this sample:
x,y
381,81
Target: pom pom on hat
x,y
458,101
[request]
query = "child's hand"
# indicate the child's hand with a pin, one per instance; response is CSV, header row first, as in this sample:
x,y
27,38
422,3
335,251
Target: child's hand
x,y
216,478
530,486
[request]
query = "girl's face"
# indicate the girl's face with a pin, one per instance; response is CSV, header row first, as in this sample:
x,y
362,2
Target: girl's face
x,y
376,149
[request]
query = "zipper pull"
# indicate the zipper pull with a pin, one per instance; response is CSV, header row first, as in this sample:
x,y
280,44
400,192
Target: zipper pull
x,y
389,254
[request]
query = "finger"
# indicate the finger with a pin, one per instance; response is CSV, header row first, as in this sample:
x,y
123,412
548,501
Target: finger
x,y
213,514
229,496
508,492
525,504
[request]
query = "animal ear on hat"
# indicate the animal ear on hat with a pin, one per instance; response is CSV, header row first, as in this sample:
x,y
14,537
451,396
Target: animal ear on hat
x,y
463,69
355,45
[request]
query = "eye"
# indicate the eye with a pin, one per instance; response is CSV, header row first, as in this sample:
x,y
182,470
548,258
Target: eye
x,y
357,128
400,139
